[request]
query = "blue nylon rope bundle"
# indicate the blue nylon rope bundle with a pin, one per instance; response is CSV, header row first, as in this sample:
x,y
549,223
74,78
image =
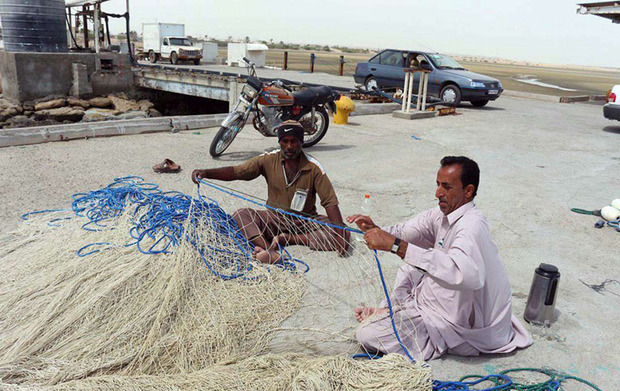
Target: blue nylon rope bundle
x,y
161,220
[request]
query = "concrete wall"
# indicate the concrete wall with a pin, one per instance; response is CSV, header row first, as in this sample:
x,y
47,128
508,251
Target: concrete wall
x,y
28,76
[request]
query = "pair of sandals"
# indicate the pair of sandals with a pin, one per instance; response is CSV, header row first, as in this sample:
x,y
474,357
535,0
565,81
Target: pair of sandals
x,y
167,166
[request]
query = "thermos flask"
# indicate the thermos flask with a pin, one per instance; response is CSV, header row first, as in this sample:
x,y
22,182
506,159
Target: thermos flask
x,y
541,301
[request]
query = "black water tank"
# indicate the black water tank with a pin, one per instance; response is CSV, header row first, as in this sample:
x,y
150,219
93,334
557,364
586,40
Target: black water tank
x,y
33,25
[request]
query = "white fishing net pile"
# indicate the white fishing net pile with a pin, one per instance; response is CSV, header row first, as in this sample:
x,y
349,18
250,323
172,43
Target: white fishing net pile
x,y
121,319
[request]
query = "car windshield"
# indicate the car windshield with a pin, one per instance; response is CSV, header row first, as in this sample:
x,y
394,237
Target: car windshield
x,y
180,42
442,61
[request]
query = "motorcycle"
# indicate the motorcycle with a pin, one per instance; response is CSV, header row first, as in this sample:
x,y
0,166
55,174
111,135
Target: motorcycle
x,y
273,103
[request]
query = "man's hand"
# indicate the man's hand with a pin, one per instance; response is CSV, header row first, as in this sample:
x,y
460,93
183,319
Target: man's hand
x,y
197,174
378,239
220,174
364,223
281,239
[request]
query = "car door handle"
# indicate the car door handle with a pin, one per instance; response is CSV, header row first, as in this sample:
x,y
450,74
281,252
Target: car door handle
x,y
373,69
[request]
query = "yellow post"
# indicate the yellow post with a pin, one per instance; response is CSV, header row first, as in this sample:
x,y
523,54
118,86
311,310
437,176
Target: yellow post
x,y
344,106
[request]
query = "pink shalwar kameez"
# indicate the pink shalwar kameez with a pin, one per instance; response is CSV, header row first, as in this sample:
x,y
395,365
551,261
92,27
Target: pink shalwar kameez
x,y
452,295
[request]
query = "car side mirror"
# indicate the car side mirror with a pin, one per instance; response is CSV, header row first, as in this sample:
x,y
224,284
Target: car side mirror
x,y
426,66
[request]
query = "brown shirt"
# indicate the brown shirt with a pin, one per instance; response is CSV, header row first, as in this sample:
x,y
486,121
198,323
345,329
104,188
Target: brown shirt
x,y
311,178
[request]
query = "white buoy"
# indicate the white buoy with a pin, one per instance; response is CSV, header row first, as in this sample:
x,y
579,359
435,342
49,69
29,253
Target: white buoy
x,y
616,203
610,213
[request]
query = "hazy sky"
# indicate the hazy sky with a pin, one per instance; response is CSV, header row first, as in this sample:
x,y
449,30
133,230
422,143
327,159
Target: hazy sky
x,y
547,31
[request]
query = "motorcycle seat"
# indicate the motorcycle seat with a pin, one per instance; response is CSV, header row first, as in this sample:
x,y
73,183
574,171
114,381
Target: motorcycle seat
x,y
312,95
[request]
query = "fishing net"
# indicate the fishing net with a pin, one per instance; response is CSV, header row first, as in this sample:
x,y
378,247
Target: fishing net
x,y
136,288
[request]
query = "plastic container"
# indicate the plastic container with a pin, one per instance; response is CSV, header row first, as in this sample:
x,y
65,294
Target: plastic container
x,y
367,207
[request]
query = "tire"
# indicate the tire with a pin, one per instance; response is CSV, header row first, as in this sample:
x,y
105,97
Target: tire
x,y
370,82
152,57
451,94
479,103
322,119
174,59
197,61
225,136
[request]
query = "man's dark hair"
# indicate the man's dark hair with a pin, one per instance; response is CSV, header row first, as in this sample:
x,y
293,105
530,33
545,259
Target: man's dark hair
x,y
470,173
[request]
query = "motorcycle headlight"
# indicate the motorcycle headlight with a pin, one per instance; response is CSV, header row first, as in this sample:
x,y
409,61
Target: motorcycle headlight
x,y
250,93
476,84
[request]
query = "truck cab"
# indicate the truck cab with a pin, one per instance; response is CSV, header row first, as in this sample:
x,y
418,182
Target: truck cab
x,y
180,48
167,41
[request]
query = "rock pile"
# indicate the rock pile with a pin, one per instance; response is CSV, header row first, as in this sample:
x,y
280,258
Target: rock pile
x,y
58,110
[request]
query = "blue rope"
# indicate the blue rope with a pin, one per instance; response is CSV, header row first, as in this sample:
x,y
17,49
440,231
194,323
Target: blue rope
x,y
81,254
465,385
389,303
367,356
224,190
159,224
36,212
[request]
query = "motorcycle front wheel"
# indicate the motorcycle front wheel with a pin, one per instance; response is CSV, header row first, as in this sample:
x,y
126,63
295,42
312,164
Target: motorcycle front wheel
x,y
225,136
314,132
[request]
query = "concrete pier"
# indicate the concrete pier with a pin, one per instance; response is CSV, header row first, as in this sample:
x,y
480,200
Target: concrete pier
x,y
30,76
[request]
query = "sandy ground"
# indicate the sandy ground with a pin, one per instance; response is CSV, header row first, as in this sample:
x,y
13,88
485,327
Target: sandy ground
x,y
538,159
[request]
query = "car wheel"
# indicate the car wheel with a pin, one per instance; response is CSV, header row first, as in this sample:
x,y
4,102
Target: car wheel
x,y
152,57
479,103
371,83
174,59
450,94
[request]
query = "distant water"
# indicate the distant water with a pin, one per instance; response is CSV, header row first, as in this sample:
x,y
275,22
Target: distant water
x,y
529,80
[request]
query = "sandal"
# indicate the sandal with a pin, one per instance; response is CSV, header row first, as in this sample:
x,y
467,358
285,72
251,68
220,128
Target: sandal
x,y
167,166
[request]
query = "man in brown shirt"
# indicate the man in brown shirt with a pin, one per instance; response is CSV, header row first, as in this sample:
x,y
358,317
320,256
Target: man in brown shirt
x,y
293,181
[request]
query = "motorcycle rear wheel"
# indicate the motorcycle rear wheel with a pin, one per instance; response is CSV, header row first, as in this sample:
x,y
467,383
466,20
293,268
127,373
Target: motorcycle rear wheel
x,y
321,124
225,136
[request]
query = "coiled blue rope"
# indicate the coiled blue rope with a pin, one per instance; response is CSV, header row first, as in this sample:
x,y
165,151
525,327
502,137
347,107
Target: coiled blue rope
x,y
162,220
465,385
389,303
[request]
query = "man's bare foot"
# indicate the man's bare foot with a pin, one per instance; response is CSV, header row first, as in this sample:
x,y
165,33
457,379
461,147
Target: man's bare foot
x,y
362,313
265,256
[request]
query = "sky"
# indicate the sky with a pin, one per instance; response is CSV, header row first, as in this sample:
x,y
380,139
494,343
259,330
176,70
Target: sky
x,y
544,31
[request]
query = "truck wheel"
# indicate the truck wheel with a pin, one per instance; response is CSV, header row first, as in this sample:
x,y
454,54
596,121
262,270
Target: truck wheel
x,y
174,59
197,61
152,57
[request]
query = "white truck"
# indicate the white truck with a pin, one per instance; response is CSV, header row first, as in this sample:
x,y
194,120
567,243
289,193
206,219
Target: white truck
x,y
167,41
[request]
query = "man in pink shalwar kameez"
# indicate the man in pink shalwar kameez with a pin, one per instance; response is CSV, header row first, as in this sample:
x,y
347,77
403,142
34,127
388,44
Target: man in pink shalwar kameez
x,y
452,294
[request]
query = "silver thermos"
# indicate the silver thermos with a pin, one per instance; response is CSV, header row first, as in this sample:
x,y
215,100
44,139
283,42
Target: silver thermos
x,y
541,301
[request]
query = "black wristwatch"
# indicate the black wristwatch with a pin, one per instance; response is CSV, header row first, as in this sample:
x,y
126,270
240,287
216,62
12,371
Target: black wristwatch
x,y
395,246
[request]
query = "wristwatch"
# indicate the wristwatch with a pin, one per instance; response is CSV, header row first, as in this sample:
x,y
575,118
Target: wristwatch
x,y
395,246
